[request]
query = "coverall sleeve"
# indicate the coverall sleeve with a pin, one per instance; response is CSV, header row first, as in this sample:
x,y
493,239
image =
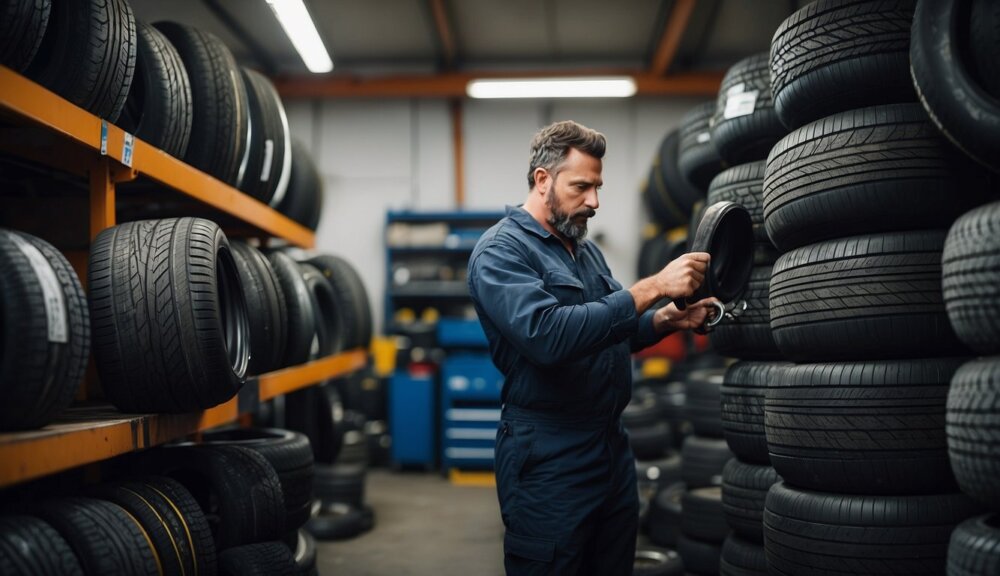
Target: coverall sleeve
x,y
646,336
530,317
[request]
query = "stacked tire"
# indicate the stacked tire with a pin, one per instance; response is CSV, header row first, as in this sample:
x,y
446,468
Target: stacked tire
x,y
44,333
651,437
972,299
858,197
703,457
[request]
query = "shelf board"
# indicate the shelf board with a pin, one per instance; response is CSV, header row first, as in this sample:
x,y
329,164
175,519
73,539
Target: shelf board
x,y
431,289
31,101
93,432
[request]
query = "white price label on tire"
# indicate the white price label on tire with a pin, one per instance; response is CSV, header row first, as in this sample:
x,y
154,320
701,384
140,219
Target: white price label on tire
x,y
52,294
740,104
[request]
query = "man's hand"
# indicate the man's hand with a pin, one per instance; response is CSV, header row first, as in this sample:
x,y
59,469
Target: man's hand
x,y
678,279
669,318
681,277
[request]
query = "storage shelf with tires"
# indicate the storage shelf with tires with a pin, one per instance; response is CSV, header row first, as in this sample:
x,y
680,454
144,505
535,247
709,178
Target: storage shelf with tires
x,y
428,308
101,173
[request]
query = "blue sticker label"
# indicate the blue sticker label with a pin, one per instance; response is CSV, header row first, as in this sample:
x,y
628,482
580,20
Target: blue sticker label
x,y
127,147
104,138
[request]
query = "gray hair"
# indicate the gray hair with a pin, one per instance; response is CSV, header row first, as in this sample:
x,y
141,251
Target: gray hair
x,y
551,145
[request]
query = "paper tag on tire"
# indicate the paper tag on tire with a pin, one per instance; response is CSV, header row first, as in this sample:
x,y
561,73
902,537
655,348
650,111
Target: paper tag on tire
x,y
52,294
740,104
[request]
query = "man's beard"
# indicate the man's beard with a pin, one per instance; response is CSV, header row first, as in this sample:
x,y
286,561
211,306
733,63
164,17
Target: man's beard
x,y
563,221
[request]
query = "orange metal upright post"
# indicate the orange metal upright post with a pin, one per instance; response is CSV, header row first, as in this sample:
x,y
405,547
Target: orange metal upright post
x,y
102,197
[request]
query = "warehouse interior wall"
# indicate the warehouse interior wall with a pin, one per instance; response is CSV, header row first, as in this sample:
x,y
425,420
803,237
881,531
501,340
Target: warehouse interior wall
x,y
396,154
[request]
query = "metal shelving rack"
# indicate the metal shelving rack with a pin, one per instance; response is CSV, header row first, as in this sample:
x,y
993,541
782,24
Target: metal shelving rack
x,y
86,146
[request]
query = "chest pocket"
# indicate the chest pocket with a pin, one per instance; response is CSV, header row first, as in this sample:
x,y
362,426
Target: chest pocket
x,y
611,284
565,287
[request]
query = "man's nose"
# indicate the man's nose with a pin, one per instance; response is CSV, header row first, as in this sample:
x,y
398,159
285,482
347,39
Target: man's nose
x,y
591,201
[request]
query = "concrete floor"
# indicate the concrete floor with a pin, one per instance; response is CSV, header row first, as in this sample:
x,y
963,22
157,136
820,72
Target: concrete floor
x,y
424,526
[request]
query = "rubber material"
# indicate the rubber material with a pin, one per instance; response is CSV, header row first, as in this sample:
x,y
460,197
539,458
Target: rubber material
x,y
263,559
744,490
701,514
973,411
31,547
269,147
974,548
745,125
749,336
742,396
299,306
22,26
742,558
697,158
970,269
704,459
351,296
266,308
303,199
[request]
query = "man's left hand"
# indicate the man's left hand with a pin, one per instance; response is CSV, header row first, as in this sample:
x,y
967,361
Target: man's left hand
x,y
669,318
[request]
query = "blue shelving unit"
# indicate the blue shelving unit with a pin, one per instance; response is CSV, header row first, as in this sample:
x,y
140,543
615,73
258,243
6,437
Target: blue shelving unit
x,y
427,255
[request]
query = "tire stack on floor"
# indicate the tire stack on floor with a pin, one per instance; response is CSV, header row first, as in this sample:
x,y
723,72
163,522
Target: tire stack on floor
x,y
744,128
651,436
859,197
971,270
703,456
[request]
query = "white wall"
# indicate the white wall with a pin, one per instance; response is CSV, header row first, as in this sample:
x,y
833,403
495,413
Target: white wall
x,y
375,155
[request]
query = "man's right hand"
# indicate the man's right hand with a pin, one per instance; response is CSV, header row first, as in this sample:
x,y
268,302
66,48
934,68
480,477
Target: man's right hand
x,y
681,277
678,279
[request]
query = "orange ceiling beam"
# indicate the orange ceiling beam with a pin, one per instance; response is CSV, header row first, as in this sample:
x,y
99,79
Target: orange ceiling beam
x,y
670,40
444,32
452,84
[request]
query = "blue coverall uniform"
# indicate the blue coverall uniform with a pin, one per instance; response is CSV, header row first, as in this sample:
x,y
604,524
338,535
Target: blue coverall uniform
x,y
560,329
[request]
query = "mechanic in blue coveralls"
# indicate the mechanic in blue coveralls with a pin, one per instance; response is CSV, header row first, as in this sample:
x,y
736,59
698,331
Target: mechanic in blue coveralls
x,y
561,330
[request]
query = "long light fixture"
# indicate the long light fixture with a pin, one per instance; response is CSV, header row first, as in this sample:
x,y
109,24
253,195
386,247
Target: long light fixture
x,y
569,87
300,29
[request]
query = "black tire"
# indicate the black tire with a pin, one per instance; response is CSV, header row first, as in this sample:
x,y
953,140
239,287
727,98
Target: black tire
x,y
661,210
22,26
651,561
653,476
650,442
337,521
351,297
749,336
299,306
861,427
701,515
268,167
973,411
697,159
860,298
703,461
974,549
303,198
664,522
44,331
220,125
745,125
744,185
354,448
343,483
643,409
262,559
104,537
318,412
878,169
970,270
815,533
266,308
984,44
703,401
330,321
304,553
30,547
699,557
158,109
170,325
743,393
88,54
171,519
744,490
289,453
836,55
236,487
673,192
742,558
961,107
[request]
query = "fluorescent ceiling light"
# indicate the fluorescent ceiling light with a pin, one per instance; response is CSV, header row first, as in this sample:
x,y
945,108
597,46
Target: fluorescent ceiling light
x,y
583,87
299,28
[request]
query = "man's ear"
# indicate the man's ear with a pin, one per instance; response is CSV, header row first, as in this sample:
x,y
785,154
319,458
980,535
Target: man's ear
x,y
542,180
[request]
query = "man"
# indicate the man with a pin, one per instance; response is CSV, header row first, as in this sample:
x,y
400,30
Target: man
x,y
561,330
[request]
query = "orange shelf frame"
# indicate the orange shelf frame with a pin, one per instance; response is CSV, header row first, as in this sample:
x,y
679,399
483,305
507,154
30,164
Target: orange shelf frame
x,y
90,433
40,106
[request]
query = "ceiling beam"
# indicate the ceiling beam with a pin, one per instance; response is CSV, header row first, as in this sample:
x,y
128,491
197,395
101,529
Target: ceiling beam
x,y
442,25
452,84
670,40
